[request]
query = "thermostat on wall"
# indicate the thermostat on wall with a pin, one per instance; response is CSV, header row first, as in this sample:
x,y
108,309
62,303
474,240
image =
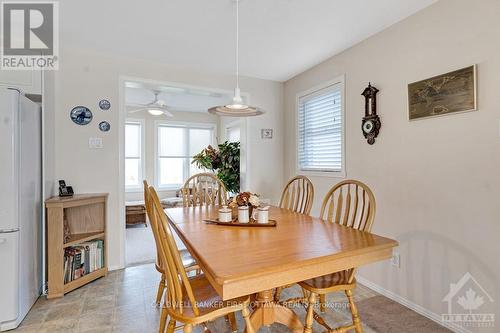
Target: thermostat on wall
x,y
266,133
95,143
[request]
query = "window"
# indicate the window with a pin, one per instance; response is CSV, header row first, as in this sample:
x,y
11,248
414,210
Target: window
x,y
133,155
233,132
176,146
320,130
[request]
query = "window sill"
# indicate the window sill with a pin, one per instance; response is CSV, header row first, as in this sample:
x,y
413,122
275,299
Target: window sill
x,y
134,190
328,174
169,187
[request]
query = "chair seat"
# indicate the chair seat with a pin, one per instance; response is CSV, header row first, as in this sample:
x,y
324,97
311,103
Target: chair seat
x,y
208,300
329,283
187,260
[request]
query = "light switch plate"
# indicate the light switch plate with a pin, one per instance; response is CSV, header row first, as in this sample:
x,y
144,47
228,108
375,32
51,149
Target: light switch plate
x,y
95,143
396,260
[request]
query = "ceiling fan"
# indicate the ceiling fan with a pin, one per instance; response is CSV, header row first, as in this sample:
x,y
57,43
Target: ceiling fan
x,y
156,108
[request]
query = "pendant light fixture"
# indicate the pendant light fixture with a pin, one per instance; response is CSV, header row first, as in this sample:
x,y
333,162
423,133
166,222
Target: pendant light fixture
x,y
237,108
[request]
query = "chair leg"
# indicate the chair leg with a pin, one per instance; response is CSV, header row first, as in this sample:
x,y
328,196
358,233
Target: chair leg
x,y
161,288
188,328
246,315
163,320
231,317
354,312
322,302
310,313
277,294
171,326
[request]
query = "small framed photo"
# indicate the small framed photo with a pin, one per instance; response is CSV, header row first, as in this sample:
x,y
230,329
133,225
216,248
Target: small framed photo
x,y
266,133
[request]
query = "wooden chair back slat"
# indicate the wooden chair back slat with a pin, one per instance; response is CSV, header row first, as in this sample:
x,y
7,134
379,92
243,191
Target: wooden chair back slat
x,y
342,205
298,195
203,189
176,276
149,213
344,201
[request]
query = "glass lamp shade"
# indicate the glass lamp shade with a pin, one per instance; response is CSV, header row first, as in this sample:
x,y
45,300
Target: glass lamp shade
x,y
236,109
155,112
231,111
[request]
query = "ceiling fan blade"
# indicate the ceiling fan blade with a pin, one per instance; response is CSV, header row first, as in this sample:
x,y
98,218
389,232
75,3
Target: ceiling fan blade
x,y
137,110
135,105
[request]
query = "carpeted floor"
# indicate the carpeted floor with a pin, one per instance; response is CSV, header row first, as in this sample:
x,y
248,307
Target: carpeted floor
x,y
140,245
386,316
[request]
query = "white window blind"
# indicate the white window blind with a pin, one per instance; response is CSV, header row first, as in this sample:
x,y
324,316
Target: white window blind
x,y
320,130
177,144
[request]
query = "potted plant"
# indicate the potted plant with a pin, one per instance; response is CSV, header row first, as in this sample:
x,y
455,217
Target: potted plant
x,y
224,162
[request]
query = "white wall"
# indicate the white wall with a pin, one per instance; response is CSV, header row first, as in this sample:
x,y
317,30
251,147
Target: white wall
x,y
85,77
436,181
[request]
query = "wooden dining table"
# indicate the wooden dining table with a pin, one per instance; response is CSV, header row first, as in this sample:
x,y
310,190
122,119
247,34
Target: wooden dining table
x,y
241,261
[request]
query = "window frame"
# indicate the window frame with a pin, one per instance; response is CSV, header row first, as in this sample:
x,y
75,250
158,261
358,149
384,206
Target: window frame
x,y
231,125
340,80
142,146
188,125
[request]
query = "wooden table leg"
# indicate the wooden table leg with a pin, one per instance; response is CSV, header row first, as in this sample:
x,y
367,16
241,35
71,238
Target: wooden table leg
x,y
267,311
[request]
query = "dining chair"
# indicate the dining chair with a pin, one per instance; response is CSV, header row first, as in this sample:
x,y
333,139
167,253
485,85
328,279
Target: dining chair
x,y
203,189
191,301
187,260
350,203
298,195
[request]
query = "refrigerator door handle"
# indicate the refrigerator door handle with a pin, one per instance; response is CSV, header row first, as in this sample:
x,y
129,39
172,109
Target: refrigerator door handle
x,y
8,231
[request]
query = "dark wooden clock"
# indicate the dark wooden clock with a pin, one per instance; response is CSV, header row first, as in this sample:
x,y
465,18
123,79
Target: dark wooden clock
x,y
371,121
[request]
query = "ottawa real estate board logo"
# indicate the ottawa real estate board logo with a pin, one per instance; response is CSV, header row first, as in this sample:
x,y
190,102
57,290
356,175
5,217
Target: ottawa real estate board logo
x,y
29,35
469,304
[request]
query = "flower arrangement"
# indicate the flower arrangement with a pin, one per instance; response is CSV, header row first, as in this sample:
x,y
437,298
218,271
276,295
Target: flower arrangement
x,y
245,199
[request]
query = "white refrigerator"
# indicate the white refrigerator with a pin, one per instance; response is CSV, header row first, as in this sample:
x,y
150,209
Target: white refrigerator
x,y
20,206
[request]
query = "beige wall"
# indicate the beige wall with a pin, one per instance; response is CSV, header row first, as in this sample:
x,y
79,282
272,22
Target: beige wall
x,y
86,77
436,181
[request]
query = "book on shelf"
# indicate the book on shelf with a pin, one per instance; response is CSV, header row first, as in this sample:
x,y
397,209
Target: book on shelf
x,y
82,259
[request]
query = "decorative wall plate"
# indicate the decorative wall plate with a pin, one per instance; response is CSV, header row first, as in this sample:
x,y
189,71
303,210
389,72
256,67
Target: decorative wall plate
x,y
104,104
81,115
104,126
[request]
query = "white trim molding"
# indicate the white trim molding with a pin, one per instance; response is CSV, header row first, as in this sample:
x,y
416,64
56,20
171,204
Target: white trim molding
x,y
411,305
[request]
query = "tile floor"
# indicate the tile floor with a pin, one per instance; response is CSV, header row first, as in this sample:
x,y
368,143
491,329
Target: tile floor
x,y
124,302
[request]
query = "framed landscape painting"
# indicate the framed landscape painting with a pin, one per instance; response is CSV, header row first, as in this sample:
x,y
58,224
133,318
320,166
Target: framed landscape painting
x,y
443,94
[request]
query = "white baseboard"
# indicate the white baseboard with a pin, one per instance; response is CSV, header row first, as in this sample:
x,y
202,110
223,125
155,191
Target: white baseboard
x,y
115,268
410,305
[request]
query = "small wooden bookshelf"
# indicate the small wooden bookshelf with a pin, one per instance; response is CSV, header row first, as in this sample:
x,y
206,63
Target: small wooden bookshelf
x,y
84,216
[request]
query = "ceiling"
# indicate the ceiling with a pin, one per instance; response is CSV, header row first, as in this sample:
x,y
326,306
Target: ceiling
x,y
176,98
278,38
